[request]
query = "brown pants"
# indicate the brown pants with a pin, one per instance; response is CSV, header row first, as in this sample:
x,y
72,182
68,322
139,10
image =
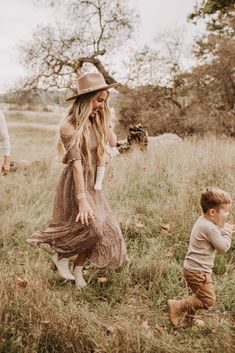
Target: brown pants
x,y
203,290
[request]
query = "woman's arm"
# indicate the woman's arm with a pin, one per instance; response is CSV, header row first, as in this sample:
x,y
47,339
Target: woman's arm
x,y
78,177
85,210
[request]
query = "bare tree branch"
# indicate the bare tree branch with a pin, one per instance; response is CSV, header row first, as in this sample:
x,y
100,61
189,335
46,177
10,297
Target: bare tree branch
x,y
91,30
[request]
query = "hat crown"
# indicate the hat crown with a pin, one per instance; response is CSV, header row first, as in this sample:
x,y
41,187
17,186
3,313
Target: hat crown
x,y
90,81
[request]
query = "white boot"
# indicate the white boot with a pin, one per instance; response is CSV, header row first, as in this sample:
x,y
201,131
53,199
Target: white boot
x,y
100,173
63,267
79,280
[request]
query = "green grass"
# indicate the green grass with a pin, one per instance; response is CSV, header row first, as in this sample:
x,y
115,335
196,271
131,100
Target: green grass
x,y
128,313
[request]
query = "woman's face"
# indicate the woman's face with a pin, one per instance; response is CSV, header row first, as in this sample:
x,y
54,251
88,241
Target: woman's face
x,y
98,103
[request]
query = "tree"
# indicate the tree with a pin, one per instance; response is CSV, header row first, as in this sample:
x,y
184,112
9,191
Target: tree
x,y
157,64
216,52
89,32
210,7
142,66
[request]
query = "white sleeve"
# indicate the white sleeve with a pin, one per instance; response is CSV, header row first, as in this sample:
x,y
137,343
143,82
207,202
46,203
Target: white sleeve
x,y
4,136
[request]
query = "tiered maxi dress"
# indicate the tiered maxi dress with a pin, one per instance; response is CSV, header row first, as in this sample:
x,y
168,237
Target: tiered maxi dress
x,y
102,240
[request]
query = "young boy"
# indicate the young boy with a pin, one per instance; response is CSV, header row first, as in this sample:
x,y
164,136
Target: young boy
x,y
207,237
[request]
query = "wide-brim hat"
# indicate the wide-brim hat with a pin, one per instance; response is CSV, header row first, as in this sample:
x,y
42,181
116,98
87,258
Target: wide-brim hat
x,y
91,82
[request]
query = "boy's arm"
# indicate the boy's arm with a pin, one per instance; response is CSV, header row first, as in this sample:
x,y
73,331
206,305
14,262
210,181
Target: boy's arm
x,y
220,238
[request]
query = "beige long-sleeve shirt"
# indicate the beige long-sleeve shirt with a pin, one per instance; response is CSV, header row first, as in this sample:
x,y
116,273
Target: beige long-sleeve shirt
x,y
206,238
4,136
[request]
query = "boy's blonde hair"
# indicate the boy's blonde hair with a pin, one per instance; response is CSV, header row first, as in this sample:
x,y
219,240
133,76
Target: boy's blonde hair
x,y
214,198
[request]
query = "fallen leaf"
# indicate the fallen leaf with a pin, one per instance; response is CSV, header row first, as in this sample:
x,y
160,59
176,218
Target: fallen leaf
x,y
139,224
102,280
145,325
110,329
21,283
159,328
110,177
233,321
169,254
164,226
21,253
198,323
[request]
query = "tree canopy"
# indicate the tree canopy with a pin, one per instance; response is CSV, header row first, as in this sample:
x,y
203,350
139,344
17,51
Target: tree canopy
x,y
87,32
210,7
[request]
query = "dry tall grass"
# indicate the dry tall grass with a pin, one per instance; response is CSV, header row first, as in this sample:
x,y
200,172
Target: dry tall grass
x,y
128,313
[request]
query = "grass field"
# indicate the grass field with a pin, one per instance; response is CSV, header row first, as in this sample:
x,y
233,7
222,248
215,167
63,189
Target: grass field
x,y
128,313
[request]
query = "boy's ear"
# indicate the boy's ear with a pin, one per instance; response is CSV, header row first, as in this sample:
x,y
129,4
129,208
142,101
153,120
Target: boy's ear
x,y
211,212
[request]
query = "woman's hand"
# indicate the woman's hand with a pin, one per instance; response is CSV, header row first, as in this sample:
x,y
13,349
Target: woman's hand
x,y
85,212
6,167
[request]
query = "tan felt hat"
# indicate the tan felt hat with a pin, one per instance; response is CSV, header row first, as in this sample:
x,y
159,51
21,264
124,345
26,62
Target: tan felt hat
x,y
91,82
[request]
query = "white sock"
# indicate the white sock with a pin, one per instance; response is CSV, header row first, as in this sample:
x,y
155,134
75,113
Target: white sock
x,y
79,268
100,173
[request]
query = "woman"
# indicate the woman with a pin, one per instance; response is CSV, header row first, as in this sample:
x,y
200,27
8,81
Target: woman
x,y
82,222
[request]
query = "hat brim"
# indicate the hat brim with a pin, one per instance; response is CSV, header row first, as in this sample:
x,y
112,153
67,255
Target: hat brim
x,y
104,88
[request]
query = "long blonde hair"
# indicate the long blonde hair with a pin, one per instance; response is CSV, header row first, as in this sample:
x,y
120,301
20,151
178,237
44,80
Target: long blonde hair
x,y
78,116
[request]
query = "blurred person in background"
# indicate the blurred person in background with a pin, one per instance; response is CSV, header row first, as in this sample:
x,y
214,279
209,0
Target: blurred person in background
x,y
5,145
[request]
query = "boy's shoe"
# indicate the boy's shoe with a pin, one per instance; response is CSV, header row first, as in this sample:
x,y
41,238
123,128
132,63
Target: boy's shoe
x,y
198,322
174,311
62,267
79,280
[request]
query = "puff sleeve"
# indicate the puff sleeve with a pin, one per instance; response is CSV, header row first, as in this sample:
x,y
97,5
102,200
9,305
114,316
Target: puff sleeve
x,y
72,154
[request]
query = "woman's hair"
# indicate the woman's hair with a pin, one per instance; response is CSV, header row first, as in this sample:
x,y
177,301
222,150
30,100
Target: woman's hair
x,y
214,198
78,116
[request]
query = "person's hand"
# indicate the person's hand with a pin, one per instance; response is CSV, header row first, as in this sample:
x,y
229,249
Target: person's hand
x,y
85,212
6,168
230,227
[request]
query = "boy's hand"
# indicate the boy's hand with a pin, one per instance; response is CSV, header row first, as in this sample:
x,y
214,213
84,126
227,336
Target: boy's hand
x,y
230,227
